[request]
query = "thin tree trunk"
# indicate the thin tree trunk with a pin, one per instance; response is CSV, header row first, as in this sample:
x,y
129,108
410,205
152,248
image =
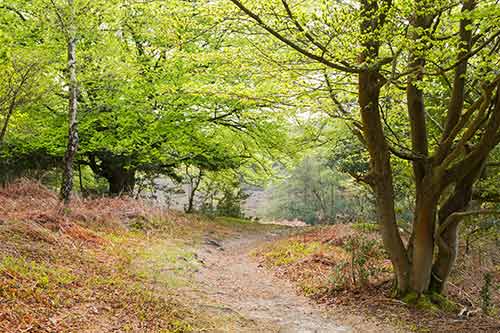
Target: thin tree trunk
x,y
189,208
67,179
17,99
80,178
10,111
194,187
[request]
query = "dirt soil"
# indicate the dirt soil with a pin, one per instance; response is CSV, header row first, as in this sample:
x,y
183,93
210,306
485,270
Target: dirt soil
x,y
231,281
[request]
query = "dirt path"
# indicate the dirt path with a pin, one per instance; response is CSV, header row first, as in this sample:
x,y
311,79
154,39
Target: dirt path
x,y
232,282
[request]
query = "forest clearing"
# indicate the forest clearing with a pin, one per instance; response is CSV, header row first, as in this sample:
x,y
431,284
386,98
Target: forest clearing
x,y
249,166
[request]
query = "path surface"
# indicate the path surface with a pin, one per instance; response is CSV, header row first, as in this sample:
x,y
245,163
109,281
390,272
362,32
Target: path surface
x,y
233,279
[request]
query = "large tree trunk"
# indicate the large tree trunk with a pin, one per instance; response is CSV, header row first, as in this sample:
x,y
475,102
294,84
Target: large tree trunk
x,y
421,247
380,176
67,179
117,170
447,232
423,239
121,180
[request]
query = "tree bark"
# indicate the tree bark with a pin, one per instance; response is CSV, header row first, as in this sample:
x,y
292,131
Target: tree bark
x,y
27,74
447,239
80,179
116,169
194,183
67,179
380,176
121,180
423,238
456,102
10,111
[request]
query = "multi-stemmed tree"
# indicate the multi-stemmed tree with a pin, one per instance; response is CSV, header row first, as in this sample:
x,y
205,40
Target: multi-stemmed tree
x,y
430,67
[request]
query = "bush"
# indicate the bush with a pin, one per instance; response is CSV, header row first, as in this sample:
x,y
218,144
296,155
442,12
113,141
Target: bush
x,y
365,262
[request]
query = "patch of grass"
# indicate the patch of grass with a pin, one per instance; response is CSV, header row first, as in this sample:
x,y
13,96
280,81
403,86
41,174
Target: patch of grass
x,y
117,238
290,251
166,262
227,225
310,289
63,286
227,220
31,281
40,275
179,326
366,227
233,224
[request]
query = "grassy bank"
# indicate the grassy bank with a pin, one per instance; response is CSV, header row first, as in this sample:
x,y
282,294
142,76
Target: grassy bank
x,y
100,265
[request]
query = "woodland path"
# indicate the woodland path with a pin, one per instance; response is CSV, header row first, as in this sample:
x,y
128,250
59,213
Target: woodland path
x,y
231,282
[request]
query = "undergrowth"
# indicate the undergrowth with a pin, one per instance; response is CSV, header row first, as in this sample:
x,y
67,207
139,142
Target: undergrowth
x,y
322,261
346,265
106,264
290,251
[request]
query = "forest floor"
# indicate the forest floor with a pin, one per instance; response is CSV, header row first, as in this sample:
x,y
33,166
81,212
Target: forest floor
x,y
117,265
345,268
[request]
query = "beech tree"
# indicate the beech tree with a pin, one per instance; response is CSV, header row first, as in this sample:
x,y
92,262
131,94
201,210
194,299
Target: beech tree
x,y
158,89
22,66
433,65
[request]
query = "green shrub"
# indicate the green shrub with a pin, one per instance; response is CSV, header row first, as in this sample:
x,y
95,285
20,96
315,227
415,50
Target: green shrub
x,y
365,260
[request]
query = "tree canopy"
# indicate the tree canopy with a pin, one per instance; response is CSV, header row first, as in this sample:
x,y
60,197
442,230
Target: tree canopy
x,y
427,92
